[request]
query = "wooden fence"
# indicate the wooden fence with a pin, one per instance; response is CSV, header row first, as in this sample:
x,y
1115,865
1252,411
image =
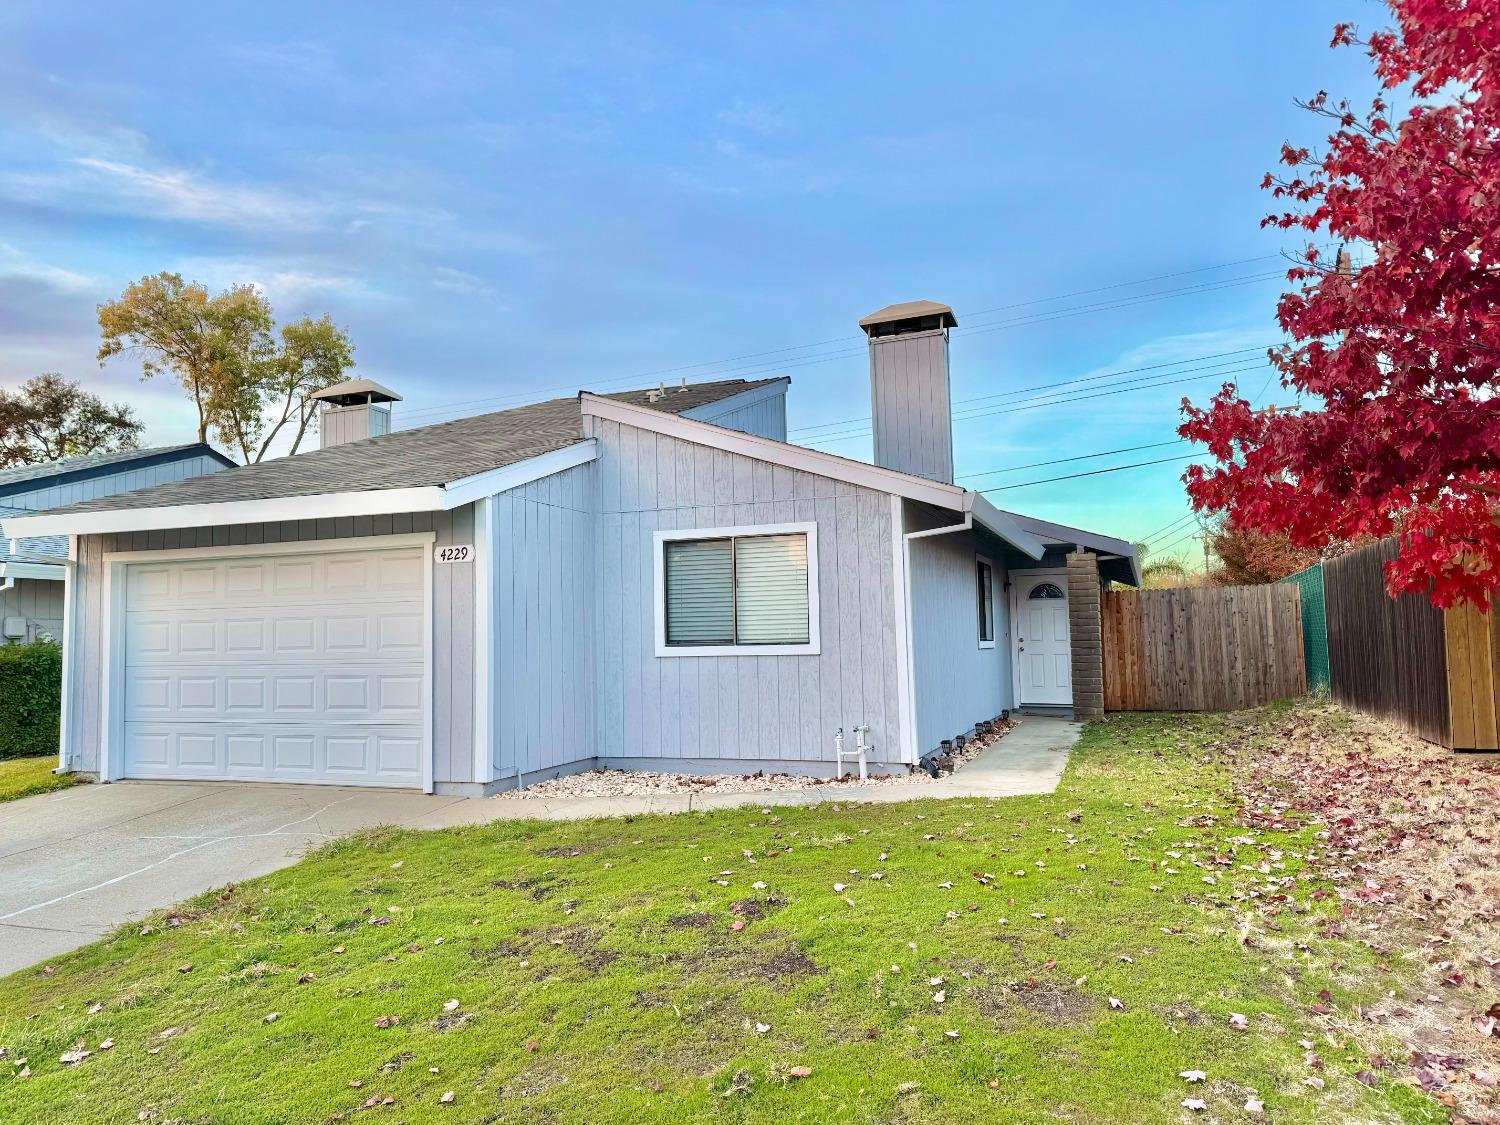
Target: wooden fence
x,y
1386,656
1202,649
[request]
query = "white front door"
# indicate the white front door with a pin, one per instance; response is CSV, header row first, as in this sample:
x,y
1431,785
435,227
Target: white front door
x,y
1044,655
304,667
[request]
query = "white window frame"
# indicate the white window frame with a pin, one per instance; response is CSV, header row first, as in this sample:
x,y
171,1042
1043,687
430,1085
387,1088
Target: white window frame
x,y
989,565
660,539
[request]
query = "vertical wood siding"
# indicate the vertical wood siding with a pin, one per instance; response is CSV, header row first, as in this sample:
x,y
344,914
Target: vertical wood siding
x,y
453,619
909,391
957,682
766,418
128,480
39,602
543,621
746,708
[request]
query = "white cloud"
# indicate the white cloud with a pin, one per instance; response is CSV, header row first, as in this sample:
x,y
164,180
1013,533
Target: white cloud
x,y
17,264
285,281
178,193
452,280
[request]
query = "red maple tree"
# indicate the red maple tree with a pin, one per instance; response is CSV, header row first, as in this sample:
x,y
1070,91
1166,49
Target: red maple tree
x,y
1403,353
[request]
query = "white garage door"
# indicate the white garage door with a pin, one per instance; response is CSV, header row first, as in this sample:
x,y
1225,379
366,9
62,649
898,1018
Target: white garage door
x,y
302,668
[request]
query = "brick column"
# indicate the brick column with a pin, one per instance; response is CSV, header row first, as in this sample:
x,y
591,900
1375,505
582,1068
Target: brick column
x,y
1086,635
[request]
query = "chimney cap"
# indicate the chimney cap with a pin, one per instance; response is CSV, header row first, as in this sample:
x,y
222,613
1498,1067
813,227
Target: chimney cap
x,y
356,392
899,318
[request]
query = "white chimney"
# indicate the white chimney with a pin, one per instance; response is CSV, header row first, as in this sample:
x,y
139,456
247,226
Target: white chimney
x,y
354,411
909,388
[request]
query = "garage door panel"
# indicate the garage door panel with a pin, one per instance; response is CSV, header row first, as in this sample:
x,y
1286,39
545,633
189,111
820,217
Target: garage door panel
x,y
313,753
275,634
338,576
365,692
304,668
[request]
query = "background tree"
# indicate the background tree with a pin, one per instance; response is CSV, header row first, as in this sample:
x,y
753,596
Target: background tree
x,y
1164,572
1248,557
50,418
247,381
1403,353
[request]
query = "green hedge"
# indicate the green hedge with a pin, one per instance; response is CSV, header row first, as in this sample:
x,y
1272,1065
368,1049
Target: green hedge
x,y
30,699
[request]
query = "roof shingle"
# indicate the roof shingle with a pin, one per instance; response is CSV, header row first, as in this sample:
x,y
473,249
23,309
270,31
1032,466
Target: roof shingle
x,y
421,457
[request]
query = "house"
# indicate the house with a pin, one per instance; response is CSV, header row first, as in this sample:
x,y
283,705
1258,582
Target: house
x,y
33,572
651,579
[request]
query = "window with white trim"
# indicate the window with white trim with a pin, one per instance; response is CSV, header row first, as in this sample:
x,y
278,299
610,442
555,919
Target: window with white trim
x,y
985,574
752,591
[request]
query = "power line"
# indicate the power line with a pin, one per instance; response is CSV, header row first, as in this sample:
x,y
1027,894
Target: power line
x,y
1042,316
1092,473
1168,529
1066,382
1057,400
1189,536
1079,457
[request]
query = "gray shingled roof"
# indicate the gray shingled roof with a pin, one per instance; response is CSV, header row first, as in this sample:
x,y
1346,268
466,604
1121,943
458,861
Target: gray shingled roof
x,y
416,458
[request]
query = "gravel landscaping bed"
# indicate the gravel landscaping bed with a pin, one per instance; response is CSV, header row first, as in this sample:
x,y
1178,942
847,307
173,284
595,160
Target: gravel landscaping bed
x,y
646,783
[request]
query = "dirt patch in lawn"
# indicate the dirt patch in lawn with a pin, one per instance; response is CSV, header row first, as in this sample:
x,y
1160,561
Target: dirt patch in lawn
x,y
698,921
537,888
729,959
1409,844
1053,1004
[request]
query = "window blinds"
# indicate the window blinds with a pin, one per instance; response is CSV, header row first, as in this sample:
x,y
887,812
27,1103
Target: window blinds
x,y
746,591
771,590
700,601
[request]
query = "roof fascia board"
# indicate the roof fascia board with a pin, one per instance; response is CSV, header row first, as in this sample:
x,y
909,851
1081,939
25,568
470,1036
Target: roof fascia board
x,y
993,519
719,407
321,506
146,460
495,481
776,452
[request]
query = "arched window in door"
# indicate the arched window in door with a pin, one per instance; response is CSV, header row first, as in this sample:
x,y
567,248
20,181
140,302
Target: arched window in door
x,y
1046,590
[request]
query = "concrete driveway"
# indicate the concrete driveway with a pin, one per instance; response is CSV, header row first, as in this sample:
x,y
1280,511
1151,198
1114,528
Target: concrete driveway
x,y
76,864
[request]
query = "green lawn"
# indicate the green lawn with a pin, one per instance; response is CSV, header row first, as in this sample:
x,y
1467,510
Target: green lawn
x,y
26,777
709,966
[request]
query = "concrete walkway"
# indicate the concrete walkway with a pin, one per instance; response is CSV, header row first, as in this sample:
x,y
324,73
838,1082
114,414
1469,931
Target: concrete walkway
x,y
76,864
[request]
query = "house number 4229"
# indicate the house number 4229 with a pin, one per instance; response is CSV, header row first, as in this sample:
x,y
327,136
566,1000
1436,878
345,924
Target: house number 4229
x,y
458,552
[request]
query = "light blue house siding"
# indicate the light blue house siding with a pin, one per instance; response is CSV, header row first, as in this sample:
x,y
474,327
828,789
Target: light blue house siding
x,y
543,693
741,712
956,681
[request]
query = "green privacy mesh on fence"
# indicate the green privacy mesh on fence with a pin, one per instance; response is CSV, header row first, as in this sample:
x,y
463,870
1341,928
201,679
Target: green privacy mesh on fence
x,y
1309,583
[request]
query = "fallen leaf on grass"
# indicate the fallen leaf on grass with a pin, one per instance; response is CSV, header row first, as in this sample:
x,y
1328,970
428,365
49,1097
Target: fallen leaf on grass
x,y
1192,1075
1116,1004
1254,1105
75,1056
800,1072
384,1022
450,1006
1238,1022
447,1098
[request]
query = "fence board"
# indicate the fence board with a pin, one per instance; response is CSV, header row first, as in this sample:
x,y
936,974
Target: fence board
x,y
1201,649
1390,656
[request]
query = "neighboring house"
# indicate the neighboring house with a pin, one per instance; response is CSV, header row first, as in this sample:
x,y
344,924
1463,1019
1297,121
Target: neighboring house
x,y
33,571
651,579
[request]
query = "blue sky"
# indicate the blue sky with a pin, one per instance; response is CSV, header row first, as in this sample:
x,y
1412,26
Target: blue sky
x,y
504,202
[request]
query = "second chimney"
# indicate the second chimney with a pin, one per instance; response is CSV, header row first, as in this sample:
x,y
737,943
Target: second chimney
x,y
354,411
909,388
